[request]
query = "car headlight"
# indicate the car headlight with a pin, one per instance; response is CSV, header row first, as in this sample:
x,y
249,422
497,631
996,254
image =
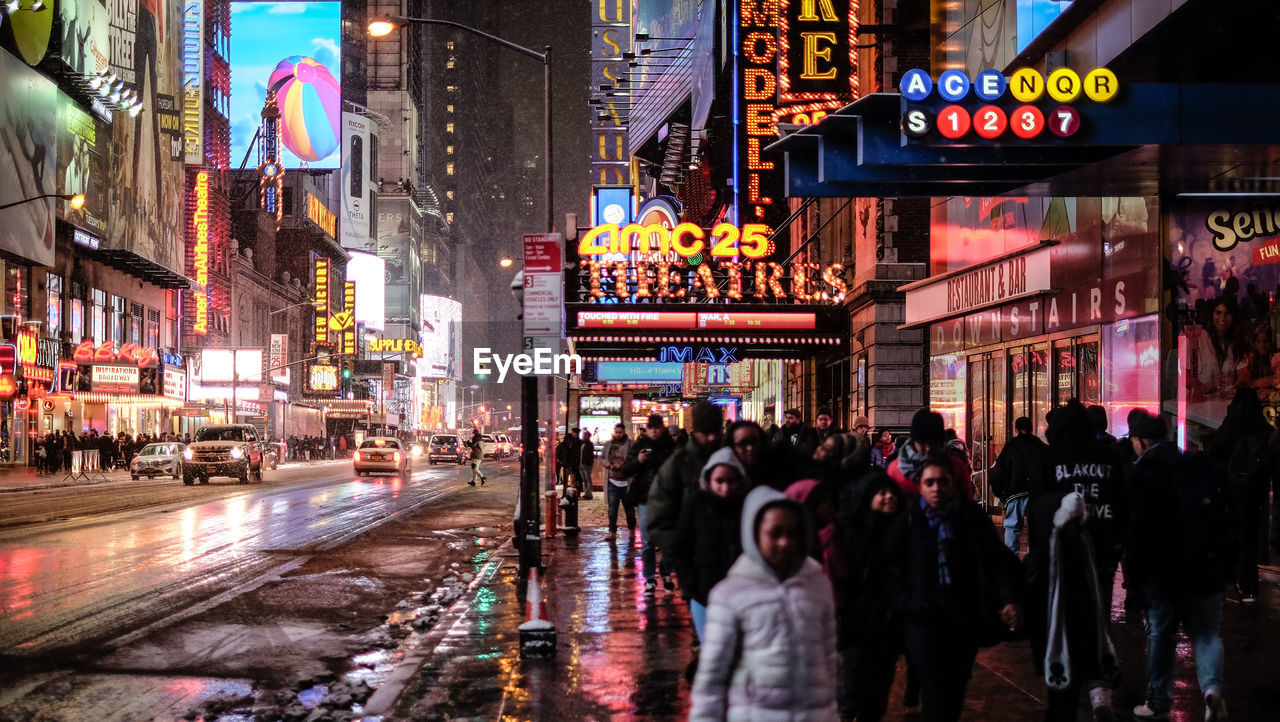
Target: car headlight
x,y
237,452
186,454
416,450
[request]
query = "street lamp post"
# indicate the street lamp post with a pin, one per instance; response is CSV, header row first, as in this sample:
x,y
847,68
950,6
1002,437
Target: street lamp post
x,y
77,199
528,537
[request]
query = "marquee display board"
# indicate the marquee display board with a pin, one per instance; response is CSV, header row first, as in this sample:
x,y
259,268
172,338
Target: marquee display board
x,y
673,333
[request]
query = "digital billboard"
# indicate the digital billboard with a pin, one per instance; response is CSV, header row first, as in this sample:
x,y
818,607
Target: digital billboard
x,y
294,46
28,103
441,341
359,181
368,272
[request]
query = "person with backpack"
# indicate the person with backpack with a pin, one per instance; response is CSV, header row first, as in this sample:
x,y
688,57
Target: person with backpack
x,y
1016,472
1179,552
613,456
647,455
1241,446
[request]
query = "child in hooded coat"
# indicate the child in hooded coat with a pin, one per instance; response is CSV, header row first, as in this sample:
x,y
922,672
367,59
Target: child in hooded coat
x,y
770,646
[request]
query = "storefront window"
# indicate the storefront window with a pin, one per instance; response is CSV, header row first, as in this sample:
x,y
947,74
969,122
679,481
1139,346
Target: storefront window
x,y
153,328
171,318
98,299
16,292
1041,388
77,320
999,406
1089,377
53,314
135,323
947,388
1064,371
117,320
1019,383
1131,375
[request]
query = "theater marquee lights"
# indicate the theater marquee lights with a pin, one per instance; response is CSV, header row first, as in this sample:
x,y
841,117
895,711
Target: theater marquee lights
x,y
200,255
795,62
322,300
686,240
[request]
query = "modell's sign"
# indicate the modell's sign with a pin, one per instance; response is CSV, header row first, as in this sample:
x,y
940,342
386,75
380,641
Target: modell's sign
x,y
115,378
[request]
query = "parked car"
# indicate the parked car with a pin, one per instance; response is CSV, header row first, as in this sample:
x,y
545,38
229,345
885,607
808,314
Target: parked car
x,y
506,448
381,453
224,450
447,447
158,460
489,444
276,452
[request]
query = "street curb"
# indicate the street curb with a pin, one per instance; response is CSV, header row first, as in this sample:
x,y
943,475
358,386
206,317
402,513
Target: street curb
x,y
387,697
47,485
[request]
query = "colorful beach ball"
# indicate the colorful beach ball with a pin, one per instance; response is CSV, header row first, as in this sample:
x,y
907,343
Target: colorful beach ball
x,y
310,102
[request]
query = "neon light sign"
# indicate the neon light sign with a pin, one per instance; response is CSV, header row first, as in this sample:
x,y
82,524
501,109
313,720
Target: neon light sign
x,y
322,300
800,282
87,353
395,345
200,261
686,240
321,216
193,81
349,329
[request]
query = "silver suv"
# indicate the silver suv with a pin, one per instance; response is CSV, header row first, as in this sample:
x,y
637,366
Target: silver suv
x,y
232,450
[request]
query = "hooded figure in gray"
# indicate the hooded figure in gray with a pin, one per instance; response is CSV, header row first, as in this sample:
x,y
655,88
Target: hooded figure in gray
x,y
770,646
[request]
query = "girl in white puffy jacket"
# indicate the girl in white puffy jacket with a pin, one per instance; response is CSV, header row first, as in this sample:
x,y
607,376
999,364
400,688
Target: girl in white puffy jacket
x,y
769,651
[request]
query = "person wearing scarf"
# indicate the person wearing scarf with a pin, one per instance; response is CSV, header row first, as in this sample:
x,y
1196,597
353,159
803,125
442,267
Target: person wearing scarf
x,y
957,587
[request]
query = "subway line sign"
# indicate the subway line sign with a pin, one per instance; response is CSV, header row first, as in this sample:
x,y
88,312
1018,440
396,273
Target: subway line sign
x,y
1025,106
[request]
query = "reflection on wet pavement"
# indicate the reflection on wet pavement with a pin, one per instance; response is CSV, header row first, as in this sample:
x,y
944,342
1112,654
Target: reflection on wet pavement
x,y
621,654
65,582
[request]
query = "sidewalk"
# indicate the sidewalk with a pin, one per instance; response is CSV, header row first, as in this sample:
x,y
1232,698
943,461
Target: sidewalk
x,y
621,655
25,479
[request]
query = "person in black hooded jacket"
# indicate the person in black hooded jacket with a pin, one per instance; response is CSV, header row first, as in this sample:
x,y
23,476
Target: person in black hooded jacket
x,y
643,461
869,629
1240,446
1075,463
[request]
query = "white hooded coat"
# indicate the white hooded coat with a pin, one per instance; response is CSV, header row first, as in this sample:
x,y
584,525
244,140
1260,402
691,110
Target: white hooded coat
x,y
769,652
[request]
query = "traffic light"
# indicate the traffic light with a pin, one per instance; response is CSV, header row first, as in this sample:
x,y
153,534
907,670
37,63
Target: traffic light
x,y
483,408
346,370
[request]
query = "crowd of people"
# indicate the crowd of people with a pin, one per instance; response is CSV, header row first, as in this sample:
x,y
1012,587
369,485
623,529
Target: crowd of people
x,y
812,559
53,450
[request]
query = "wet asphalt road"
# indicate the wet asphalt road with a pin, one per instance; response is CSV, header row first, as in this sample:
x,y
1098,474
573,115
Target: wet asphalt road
x,y
69,583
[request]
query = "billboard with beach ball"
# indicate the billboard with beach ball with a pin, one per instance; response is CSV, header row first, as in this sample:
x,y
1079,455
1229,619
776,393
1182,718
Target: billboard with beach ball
x,y
293,48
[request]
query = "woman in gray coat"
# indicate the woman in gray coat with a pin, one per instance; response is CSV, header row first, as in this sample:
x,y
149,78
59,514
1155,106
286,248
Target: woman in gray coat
x,y
769,651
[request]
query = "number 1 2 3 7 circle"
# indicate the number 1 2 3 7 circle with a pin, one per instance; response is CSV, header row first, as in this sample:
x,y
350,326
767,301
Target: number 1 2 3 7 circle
x,y
990,122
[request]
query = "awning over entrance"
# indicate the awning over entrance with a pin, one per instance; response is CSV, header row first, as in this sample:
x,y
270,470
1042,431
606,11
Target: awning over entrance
x,y
1155,137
